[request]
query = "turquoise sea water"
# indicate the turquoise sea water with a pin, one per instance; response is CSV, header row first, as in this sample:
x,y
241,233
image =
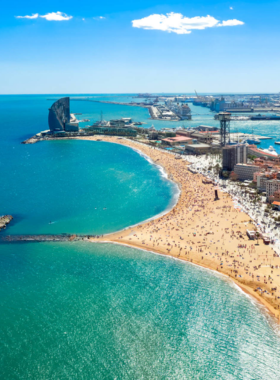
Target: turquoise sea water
x,y
78,186
101,311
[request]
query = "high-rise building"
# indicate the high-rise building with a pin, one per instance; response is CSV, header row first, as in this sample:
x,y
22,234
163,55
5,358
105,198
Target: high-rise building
x,y
59,115
272,186
234,154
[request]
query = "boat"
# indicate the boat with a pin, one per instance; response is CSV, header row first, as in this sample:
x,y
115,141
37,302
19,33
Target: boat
x,y
277,142
271,150
265,117
252,141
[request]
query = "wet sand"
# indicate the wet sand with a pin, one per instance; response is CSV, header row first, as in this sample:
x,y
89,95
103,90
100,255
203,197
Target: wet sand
x,y
207,232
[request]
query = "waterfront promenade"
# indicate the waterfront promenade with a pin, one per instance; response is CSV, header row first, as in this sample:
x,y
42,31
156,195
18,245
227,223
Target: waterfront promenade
x,y
204,231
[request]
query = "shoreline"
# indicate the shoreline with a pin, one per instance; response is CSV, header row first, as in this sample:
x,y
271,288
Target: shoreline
x,y
249,278
243,288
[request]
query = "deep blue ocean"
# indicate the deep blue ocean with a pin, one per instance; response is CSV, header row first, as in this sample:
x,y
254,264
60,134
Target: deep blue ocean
x,y
103,311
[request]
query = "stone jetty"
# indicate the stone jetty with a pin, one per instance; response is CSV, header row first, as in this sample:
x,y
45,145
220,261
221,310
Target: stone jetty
x,y
47,238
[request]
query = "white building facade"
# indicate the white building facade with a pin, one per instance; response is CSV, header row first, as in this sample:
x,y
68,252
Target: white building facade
x,y
272,186
245,171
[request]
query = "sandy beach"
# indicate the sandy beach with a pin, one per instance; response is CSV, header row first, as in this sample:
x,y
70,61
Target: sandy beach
x,y
207,232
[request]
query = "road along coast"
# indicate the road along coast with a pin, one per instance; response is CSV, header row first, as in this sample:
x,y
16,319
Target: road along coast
x,y
207,232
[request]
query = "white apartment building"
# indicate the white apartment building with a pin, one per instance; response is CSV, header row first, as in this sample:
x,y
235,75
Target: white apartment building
x,y
245,171
272,185
261,182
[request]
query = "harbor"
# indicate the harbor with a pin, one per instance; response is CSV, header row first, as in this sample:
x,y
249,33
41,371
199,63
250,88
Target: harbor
x,y
164,112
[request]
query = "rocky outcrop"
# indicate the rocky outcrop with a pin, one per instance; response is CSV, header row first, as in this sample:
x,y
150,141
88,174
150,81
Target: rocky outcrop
x,y
5,220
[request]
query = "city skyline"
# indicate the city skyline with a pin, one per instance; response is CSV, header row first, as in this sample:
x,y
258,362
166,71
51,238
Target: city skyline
x,y
127,48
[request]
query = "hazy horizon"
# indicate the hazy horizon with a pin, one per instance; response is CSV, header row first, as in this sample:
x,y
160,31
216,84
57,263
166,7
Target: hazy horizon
x,y
146,92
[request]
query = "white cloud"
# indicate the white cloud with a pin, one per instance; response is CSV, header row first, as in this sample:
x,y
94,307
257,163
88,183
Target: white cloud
x,y
99,18
53,16
231,8
177,23
36,15
231,23
56,16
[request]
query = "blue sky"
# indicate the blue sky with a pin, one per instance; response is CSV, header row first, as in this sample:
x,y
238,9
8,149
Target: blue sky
x,y
147,46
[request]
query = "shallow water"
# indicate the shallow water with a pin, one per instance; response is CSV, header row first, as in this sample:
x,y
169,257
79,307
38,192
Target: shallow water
x,y
95,311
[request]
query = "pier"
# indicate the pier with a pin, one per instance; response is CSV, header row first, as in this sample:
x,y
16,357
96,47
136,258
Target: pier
x,y
236,136
46,238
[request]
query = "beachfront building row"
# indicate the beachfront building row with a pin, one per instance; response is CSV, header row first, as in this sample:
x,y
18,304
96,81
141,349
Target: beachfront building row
x,y
273,190
268,170
259,173
270,183
245,171
260,178
235,158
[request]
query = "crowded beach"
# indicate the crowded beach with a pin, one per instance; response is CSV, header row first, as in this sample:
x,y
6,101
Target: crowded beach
x,y
204,230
